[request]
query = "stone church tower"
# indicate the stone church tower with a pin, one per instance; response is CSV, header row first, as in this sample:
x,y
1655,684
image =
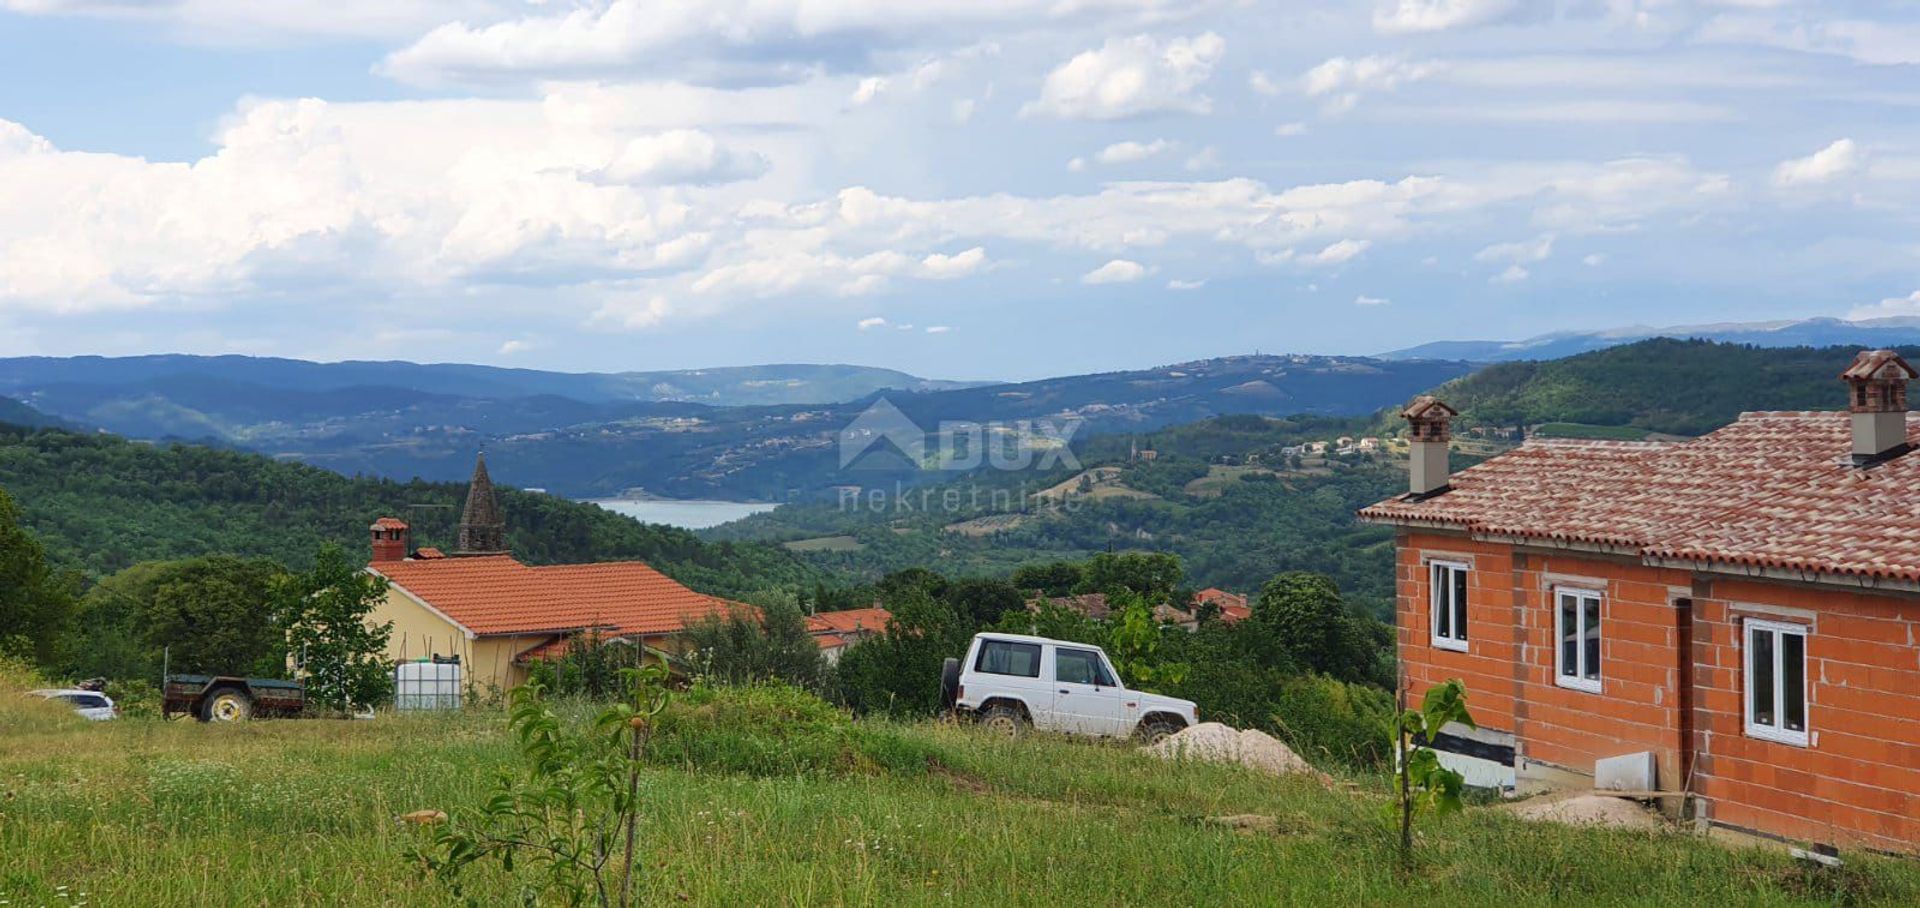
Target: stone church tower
x,y
482,530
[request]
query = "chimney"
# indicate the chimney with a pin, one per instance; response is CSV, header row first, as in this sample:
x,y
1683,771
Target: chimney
x,y
1429,431
1877,397
390,539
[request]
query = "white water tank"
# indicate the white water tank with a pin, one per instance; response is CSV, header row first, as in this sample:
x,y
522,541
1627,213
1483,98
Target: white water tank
x,y
427,685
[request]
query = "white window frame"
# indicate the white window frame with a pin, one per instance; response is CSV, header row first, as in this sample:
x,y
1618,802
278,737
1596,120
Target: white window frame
x,y
1439,603
1578,680
1776,733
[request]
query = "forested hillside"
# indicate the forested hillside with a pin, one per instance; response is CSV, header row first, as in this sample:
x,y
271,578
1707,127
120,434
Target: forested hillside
x,y
101,503
1661,385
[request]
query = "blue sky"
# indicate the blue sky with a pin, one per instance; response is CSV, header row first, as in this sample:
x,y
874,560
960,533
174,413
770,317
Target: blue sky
x,y
959,188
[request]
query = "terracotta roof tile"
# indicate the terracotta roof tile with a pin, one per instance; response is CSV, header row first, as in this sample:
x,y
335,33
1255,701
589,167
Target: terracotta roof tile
x,y
868,620
1775,490
496,594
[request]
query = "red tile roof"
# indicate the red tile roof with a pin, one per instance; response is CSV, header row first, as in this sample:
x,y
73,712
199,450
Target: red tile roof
x,y
1233,606
389,523
495,594
427,551
1773,490
867,620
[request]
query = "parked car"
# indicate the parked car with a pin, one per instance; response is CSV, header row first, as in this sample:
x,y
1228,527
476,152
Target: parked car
x,y
1012,682
89,703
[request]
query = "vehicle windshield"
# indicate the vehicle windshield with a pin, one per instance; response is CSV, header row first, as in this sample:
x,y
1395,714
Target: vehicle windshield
x,y
85,701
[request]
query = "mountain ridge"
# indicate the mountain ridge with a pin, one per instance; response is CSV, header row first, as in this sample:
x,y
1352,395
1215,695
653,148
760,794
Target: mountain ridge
x,y
1892,331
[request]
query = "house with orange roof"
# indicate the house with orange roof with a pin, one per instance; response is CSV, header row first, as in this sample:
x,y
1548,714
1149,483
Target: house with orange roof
x,y
1233,606
498,614
1729,623
836,632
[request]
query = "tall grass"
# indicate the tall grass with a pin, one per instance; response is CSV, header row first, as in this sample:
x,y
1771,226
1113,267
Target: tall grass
x,y
144,812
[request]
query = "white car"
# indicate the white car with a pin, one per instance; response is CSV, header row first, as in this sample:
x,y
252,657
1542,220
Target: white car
x,y
91,704
1011,682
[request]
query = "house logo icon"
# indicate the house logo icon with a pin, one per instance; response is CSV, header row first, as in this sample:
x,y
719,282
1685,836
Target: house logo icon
x,y
883,437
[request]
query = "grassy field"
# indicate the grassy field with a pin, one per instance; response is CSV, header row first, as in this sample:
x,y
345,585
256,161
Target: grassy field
x,y
141,812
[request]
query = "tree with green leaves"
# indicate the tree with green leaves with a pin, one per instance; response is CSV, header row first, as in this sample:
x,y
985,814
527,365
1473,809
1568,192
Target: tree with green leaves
x,y
1421,784
1054,578
744,646
340,652
214,616
1133,641
36,602
1304,618
1155,576
898,671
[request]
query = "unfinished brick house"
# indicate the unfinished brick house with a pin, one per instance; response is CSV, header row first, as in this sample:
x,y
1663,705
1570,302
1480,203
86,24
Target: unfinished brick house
x,y
1744,608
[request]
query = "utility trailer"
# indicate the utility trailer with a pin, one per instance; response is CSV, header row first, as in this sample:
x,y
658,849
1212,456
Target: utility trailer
x,y
227,698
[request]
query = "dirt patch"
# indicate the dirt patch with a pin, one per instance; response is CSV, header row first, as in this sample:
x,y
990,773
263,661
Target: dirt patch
x,y
1587,810
1212,742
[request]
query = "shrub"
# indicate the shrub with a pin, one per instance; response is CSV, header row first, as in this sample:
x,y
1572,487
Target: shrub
x,y
777,730
1324,718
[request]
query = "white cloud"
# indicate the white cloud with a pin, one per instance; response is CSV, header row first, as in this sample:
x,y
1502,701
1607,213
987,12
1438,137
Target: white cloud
x,y
1207,158
938,329
1177,284
1264,84
1128,77
1077,165
1365,300
1892,307
1130,152
1593,260
514,346
1288,130
1402,16
1512,274
722,40
1867,41
868,324
1534,250
255,22
1338,253
1118,271
687,156
944,267
1829,163
1343,80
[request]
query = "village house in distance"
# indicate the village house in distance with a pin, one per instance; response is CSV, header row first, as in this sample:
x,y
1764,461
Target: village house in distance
x,y
1733,619
497,614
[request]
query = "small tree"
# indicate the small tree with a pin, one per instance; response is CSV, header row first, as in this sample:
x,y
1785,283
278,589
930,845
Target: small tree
x,y
326,610
573,811
744,647
1134,643
1422,784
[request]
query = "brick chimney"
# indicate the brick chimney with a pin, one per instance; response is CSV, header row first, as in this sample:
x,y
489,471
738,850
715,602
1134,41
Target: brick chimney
x,y
1877,397
391,539
1429,429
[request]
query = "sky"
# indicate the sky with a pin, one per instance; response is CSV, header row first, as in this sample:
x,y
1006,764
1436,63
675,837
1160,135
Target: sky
x,y
986,189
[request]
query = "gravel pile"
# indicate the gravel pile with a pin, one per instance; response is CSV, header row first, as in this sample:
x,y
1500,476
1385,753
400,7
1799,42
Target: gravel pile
x,y
1588,810
1212,742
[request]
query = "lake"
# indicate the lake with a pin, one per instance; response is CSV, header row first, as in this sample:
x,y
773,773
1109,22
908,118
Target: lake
x,y
692,515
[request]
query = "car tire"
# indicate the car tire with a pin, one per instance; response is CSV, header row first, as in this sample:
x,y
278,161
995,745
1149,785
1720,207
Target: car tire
x,y
949,684
1005,719
226,704
1153,731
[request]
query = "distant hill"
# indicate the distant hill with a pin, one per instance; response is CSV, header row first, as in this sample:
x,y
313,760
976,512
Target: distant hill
x,y
726,386
401,420
1813,332
1661,385
15,413
100,503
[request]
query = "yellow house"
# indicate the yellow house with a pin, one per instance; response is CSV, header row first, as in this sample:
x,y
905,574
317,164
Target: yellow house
x,y
497,614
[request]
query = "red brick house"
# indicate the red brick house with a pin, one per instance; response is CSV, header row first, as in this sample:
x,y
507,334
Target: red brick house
x,y
1742,607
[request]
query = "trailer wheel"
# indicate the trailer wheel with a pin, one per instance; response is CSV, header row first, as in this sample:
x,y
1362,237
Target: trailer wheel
x,y
226,704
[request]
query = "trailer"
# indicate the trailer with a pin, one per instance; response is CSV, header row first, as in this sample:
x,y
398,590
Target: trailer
x,y
228,698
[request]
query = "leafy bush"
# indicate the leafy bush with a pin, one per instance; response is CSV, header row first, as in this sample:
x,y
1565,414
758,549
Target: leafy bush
x,y
777,730
769,645
1324,718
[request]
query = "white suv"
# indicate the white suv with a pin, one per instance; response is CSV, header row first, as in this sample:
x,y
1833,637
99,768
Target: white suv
x,y
1010,682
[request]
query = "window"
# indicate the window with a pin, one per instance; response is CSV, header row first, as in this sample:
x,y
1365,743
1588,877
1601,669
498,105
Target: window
x,y
1005,657
1449,604
1080,666
1577,626
85,701
1777,681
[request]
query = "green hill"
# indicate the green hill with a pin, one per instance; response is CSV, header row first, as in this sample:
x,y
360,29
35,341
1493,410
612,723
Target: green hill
x,y
15,413
1661,385
101,503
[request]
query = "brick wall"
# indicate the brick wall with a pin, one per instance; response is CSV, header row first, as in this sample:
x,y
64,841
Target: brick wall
x,y
1858,781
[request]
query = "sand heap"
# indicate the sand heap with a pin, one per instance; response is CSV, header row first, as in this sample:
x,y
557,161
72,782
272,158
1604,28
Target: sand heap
x,y
1211,742
1587,810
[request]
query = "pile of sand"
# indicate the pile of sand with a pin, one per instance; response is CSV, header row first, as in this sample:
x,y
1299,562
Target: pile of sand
x,y
1587,810
1211,742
